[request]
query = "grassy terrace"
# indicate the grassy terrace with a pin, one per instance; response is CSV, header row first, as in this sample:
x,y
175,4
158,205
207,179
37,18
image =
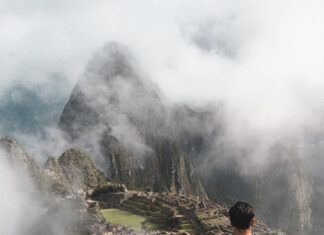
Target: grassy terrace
x,y
141,216
117,216
211,219
143,205
139,205
153,213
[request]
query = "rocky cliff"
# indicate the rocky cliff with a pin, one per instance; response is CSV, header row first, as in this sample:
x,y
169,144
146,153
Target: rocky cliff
x,y
118,116
66,184
72,171
140,140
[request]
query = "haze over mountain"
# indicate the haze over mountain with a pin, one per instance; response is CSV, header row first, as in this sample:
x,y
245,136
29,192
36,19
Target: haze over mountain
x,y
122,121
143,141
31,113
224,89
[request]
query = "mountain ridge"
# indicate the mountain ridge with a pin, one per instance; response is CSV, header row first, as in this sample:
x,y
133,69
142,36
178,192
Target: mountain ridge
x,y
146,143
75,212
131,124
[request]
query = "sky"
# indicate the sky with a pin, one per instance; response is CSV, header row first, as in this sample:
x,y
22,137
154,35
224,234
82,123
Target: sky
x,y
18,195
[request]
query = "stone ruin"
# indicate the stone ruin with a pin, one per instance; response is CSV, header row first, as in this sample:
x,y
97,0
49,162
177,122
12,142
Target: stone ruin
x,y
206,217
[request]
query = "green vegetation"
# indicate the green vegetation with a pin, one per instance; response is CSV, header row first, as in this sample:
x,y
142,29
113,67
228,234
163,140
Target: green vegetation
x,y
60,188
184,222
209,219
151,226
171,223
108,188
134,221
142,208
117,216
144,215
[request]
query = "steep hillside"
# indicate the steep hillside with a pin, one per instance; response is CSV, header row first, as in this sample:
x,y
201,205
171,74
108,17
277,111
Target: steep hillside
x,y
76,198
58,204
141,140
120,119
279,186
72,171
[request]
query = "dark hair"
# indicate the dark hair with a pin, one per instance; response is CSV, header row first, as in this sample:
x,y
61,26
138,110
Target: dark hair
x,y
241,215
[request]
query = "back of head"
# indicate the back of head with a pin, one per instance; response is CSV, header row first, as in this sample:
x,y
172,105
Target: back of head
x,y
241,215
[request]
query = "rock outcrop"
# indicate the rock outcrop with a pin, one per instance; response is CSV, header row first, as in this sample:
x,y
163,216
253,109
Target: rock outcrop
x,y
279,190
18,158
66,184
74,170
145,143
190,214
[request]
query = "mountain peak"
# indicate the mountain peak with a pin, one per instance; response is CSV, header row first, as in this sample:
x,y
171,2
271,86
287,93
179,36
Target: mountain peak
x,y
112,60
118,116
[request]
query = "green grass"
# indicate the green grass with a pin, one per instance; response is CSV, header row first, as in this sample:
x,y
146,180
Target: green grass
x,y
138,207
116,216
185,230
215,220
134,207
143,204
134,202
184,222
152,226
139,217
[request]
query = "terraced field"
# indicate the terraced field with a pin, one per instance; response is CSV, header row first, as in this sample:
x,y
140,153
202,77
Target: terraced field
x,y
185,225
139,214
117,216
173,213
210,219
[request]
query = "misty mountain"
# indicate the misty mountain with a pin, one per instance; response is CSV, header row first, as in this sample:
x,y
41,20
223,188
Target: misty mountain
x,y
139,139
280,188
119,117
67,195
47,200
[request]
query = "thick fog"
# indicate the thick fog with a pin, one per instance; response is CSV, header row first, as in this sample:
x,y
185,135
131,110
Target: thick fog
x,y
260,60
19,200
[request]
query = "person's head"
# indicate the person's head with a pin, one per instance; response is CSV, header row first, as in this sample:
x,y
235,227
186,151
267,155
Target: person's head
x,y
242,216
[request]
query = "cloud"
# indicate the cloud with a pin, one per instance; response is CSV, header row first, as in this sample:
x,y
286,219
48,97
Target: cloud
x,y
20,208
262,60
216,50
